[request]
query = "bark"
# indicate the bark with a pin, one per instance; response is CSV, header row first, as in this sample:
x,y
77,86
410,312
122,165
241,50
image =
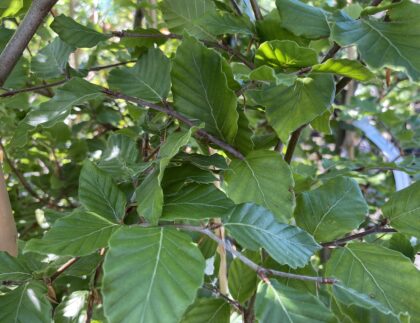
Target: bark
x,y
8,233
26,30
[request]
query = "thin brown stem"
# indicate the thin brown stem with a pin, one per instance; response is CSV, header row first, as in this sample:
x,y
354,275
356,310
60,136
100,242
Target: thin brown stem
x,y
102,67
261,271
256,10
236,7
331,53
63,268
342,241
20,176
167,109
294,139
33,88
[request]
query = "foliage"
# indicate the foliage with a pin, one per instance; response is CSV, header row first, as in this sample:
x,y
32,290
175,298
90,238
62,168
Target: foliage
x,y
201,163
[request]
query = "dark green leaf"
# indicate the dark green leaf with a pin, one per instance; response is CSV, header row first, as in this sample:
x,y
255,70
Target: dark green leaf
x,y
255,227
332,210
200,89
265,179
99,194
75,34
163,266
207,310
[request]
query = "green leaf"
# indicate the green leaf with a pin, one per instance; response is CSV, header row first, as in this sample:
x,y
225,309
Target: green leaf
x,y
26,303
163,265
13,269
371,269
120,158
243,140
149,194
9,8
302,19
265,179
149,79
332,210
181,17
177,177
225,23
197,201
267,74
73,308
322,123
285,54
51,61
255,227
349,296
242,279
99,194
345,67
75,34
201,91
77,234
403,210
203,161
285,304
143,41
289,107
393,43
74,92
270,29
207,310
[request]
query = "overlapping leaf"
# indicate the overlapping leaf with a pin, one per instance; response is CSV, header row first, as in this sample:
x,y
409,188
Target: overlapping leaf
x,y
201,91
209,310
345,67
76,34
403,210
393,43
163,265
285,304
254,227
265,179
332,210
149,79
77,234
99,194
289,107
383,274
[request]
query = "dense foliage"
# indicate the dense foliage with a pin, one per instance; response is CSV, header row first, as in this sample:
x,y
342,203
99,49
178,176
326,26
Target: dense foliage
x,y
213,161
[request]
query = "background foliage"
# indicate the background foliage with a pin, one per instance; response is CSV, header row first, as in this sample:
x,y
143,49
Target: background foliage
x,y
200,161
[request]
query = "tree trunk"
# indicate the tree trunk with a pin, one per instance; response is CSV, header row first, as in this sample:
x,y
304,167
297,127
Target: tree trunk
x,y
8,233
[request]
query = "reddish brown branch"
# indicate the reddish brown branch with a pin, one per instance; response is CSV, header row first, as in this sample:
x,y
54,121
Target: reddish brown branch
x,y
342,241
63,268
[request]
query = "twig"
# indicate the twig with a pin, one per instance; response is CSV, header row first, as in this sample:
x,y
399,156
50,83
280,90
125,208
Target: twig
x,y
93,294
256,10
331,53
261,271
63,268
227,49
340,242
21,178
21,38
102,67
217,292
169,111
342,84
294,139
32,88
236,7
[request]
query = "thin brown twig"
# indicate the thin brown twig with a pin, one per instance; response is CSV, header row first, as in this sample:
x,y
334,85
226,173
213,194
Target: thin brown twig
x,y
341,241
171,112
19,175
256,10
63,268
102,67
33,88
261,271
294,139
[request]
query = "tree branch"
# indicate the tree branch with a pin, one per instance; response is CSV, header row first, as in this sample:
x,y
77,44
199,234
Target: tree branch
x,y
171,112
21,38
261,271
32,88
63,268
294,139
256,10
342,241
102,67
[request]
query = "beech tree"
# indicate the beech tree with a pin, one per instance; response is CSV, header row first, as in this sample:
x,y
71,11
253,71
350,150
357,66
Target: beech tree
x,y
209,161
